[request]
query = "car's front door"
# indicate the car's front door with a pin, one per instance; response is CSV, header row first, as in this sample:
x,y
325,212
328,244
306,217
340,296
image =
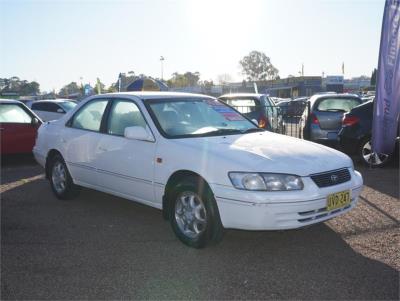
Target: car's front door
x,y
126,166
18,133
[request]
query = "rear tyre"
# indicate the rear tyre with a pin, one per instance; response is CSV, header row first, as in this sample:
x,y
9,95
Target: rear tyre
x,y
60,179
370,158
194,214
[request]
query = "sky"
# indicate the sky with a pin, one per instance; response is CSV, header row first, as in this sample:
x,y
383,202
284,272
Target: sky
x,y
56,42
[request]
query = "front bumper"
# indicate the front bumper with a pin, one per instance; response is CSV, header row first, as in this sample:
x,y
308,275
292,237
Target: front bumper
x,y
39,156
249,210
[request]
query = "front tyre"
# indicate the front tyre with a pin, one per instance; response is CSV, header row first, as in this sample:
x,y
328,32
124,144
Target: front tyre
x,y
194,214
60,179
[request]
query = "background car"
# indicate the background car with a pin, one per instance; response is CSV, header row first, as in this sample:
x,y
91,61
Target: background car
x,y
257,107
51,109
355,136
18,126
323,121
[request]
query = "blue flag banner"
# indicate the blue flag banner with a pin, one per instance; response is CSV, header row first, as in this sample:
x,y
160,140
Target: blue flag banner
x,y
387,98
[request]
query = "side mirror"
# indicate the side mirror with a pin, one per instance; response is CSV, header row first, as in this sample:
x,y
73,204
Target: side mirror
x,y
35,122
138,133
254,121
60,111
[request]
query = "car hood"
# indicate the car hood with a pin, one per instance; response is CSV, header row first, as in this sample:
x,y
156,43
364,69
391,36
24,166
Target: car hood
x,y
269,152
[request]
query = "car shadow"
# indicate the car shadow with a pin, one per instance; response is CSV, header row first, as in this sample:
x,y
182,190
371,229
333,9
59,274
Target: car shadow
x,y
103,247
384,180
17,160
18,167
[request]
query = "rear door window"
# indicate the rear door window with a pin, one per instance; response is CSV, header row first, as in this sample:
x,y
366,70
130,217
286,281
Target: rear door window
x,y
338,104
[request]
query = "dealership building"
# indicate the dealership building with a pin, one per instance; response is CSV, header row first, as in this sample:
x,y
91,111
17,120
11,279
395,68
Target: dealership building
x,y
293,87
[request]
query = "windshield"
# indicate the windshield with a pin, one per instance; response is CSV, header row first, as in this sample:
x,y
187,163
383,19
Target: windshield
x,y
181,118
68,105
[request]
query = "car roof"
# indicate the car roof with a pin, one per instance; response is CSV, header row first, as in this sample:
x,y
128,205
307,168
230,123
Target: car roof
x,y
232,95
53,100
145,95
9,101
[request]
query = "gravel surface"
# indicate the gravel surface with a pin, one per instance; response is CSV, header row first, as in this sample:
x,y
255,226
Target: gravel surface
x,y
103,247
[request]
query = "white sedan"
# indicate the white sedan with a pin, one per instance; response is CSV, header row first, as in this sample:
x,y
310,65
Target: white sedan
x,y
198,160
51,109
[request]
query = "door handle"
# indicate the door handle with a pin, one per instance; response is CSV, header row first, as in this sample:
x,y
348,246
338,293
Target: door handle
x,y
103,149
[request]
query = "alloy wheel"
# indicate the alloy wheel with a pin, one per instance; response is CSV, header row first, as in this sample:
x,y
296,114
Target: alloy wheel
x,y
59,177
372,158
190,214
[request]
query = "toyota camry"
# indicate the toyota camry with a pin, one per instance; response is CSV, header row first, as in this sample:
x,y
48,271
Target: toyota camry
x,y
206,166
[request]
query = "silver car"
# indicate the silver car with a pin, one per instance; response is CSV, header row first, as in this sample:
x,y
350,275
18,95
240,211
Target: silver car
x,y
323,120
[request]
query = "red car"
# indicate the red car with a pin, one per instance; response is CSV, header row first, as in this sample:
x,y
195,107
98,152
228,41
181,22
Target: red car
x,y
18,126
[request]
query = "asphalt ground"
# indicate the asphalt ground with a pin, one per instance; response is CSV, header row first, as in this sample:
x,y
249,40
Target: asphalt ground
x,y
103,247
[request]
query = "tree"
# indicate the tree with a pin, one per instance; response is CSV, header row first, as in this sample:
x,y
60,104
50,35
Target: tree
x,y
188,79
100,87
29,88
112,88
71,88
22,87
257,67
192,78
207,84
373,77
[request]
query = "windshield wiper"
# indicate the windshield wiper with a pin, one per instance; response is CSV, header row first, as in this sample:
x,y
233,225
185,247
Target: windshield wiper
x,y
252,130
222,131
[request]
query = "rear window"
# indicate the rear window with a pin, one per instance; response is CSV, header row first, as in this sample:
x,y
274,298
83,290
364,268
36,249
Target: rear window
x,y
242,105
338,104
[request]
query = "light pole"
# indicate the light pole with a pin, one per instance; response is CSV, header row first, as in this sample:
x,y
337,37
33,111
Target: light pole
x,y
162,67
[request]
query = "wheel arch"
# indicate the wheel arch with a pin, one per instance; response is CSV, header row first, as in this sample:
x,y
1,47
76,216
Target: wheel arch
x,y
50,155
176,178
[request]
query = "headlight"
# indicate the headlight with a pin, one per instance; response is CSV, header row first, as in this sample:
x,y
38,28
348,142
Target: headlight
x,y
265,181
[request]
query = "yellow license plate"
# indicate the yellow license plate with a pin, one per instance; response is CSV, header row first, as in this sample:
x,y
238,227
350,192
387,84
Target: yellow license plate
x,y
338,200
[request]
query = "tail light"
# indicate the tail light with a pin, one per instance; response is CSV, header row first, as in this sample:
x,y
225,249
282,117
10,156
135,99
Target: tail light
x,y
350,120
262,122
314,119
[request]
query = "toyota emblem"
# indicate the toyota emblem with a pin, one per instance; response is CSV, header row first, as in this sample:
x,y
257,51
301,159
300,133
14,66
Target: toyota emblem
x,y
334,178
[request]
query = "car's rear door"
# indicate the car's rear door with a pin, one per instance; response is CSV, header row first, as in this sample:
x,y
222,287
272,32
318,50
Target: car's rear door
x,y
329,110
17,131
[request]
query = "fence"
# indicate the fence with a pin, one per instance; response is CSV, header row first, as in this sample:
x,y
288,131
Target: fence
x,y
285,118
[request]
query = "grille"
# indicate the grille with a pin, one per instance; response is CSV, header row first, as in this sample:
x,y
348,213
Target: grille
x,y
331,178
